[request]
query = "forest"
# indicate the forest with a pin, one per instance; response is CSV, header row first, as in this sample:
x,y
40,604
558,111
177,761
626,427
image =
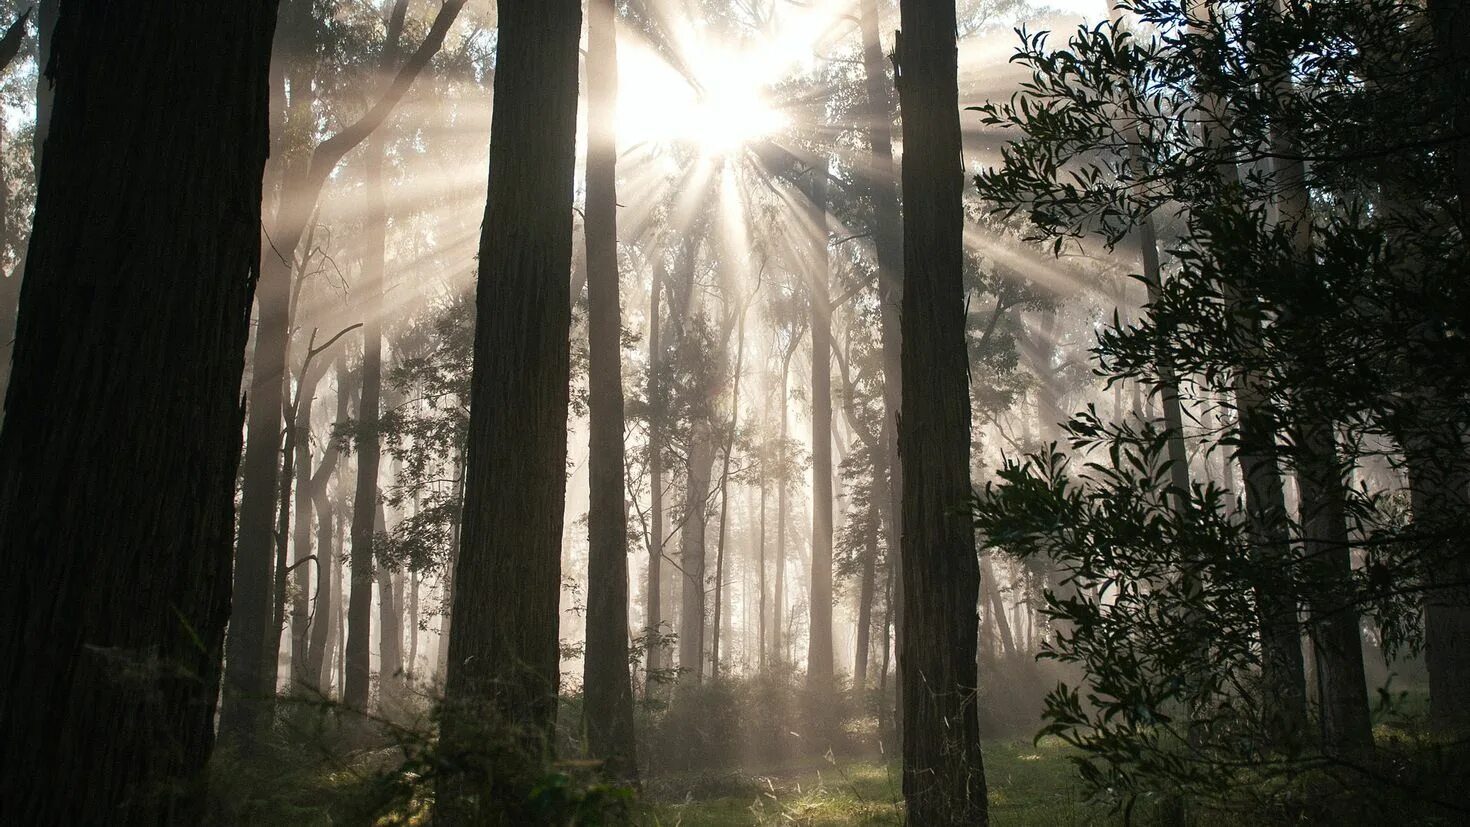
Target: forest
x,y
701,412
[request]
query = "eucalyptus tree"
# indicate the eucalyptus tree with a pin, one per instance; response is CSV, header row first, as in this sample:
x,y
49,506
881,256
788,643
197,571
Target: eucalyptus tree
x,y
122,435
503,670
943,774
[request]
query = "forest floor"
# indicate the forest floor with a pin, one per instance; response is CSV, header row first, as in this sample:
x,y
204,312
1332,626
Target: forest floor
x,y
1029,784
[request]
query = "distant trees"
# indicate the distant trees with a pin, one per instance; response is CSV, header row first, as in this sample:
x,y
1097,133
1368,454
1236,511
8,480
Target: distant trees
x,y
122,434
1313,276
943,776
503,670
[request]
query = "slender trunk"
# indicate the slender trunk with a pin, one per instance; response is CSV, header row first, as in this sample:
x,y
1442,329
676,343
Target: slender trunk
x,y
991,588
867,584
729,450
608,691
411,668
122,430
761,614
1337,645
369,441
778,636
319,656
503,655
654,655
302,569
249,672
701,453
889,243
943,778
819,641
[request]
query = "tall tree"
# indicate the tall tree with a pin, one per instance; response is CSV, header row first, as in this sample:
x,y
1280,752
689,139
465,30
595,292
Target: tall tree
x,y
608,708
503,657
943,778
250,674
819,641
369,443
122,435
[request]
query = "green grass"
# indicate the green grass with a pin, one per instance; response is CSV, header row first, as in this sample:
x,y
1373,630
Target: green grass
x,y
1028,785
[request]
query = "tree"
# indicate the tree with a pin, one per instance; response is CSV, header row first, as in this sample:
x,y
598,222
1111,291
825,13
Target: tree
x,y
118,457
503,654
943,777
369,443
608,709
250,677
819,653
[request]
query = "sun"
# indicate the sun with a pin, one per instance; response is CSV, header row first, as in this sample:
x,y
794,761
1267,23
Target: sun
x,y
721,108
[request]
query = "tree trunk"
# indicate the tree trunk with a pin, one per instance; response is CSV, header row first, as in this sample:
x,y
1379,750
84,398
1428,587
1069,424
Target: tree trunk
x,y
369,442
301,538
654,655
819,642
729,450
867,584
889,244
324,612
503,654
608,710
122,433
701,453
249,673
1337,646
943,779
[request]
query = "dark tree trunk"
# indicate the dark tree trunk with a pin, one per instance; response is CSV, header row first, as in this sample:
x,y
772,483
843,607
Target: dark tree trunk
x,y
1337,645
943,779
819,642
369,442
503,654
249,672
608,709
122,434
1439,485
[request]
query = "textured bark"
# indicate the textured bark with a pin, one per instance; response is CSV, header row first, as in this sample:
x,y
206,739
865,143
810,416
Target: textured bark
x,y
122,434
943,779
819,641
608,692
503,656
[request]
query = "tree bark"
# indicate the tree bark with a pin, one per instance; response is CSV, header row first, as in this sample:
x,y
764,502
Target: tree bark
x,y
943,778
122,434
303,570
503,655
608,692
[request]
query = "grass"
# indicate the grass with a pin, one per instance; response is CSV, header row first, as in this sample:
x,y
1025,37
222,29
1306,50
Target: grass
x,y
1028,785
